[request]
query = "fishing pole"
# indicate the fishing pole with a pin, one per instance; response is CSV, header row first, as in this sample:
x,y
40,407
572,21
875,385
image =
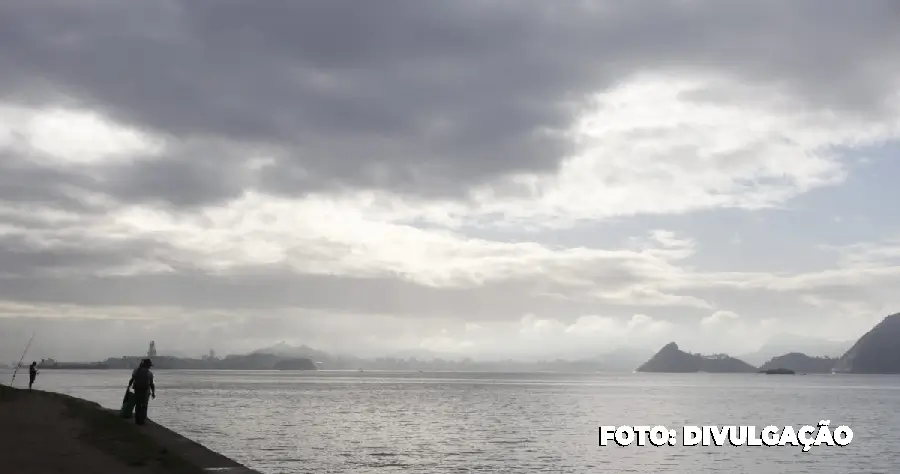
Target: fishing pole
x,y
20,360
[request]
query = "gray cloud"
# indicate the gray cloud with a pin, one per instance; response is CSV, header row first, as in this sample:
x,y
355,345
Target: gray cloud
x,y
425,99
21,259
414,96
267,290
26,183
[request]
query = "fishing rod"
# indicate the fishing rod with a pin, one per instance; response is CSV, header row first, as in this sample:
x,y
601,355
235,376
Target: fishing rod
x,y
20,360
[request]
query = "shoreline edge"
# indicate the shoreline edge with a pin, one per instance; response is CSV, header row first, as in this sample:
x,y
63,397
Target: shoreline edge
x,y
63,420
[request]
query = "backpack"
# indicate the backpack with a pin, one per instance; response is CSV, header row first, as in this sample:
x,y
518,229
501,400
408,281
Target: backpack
x,y
141,378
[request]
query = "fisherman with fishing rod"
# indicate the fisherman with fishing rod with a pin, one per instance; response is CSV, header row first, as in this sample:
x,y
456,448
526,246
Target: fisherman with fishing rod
x,y
32,371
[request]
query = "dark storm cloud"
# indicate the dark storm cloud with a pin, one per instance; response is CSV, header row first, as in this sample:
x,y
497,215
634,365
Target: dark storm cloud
x,y
422,97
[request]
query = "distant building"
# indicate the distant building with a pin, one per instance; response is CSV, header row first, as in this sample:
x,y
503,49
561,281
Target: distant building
x,y
151,352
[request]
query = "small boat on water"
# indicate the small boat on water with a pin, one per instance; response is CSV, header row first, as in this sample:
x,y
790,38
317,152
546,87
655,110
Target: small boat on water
x,y
777,372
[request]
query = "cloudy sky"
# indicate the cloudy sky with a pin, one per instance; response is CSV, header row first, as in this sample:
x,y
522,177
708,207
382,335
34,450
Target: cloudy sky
x,y
487,178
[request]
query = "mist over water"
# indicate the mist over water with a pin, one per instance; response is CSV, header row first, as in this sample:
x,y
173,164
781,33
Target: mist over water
x,y
376,422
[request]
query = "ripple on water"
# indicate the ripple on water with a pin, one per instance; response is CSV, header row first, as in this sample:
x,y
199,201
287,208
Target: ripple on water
x,y
516,423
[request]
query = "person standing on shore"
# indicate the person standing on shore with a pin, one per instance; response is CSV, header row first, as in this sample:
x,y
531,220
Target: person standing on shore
x,y
142,382
32,374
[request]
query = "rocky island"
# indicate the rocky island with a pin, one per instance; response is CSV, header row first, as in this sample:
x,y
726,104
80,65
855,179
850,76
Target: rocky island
x,y
671,359
800,363
876,352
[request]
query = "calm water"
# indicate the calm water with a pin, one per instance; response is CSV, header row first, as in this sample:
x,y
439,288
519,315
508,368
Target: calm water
x,y
377,422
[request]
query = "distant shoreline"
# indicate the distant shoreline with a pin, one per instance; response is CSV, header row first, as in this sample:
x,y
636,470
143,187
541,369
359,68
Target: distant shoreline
x,y
167,369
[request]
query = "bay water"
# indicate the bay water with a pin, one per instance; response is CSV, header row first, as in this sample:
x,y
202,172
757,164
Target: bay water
x,y
382,422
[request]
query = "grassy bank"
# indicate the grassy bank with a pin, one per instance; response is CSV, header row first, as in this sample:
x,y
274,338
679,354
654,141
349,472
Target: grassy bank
x,y
55,419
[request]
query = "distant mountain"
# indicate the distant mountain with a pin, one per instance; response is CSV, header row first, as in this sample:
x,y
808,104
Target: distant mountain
x,y
671,359
876,352
620,360
284,349
788,343
801,363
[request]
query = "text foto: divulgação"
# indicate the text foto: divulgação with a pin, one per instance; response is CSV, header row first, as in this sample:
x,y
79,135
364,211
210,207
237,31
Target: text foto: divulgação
x,y
805,436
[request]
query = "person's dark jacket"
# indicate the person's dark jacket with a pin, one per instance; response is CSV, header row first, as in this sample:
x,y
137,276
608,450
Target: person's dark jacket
x,y
142,380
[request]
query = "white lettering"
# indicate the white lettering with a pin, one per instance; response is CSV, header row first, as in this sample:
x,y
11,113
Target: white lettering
x,y
753,438
691,435
624,435
843,435
643,432
737,435
770,436
804,435
659,436
607,434
823,436
719,435
788,437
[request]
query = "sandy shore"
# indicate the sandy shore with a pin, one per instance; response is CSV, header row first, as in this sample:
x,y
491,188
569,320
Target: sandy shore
x,y
50,433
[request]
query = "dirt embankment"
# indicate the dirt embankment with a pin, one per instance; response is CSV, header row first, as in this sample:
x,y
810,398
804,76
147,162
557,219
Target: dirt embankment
x,y
50,433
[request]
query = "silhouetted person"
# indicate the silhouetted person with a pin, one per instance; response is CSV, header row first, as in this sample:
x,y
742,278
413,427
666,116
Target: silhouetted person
x,y
32,374
142,382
